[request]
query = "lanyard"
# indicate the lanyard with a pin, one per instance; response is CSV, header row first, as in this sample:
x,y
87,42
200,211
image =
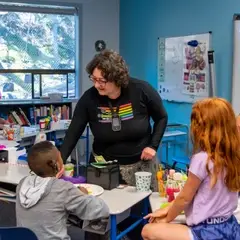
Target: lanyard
x,y
116,120
114,113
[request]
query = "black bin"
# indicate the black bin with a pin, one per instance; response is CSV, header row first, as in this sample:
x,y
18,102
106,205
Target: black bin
x,y
107,177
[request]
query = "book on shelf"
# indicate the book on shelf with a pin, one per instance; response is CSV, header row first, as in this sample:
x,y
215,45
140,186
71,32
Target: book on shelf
x,y
44,111
18,117
5,193
6,199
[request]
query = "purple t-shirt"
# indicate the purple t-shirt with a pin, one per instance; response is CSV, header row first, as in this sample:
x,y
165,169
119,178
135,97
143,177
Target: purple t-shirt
x,y
209,203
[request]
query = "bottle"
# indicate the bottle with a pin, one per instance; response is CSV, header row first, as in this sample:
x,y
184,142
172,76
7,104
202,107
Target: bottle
x,y
170,191
161,188
171,173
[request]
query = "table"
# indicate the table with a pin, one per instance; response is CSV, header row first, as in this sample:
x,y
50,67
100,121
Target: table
x,y
13,173
118,200
156,201
27,139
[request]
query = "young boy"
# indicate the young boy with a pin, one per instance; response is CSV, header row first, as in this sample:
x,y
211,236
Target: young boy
x,y
44,201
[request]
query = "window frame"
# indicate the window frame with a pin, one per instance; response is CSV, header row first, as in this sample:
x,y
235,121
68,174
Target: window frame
x,y
46,9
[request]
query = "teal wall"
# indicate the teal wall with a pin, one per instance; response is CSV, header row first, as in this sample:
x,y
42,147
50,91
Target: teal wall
x,y
143,21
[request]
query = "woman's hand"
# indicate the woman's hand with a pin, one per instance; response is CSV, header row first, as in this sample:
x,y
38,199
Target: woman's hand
x,y
238,122
148,153
158,215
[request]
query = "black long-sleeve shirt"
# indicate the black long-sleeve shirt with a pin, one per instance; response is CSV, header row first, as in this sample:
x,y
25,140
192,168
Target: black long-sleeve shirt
x,y
137,104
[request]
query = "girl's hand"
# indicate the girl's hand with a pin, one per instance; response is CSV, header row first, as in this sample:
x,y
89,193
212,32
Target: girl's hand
x,y
158,214
160,220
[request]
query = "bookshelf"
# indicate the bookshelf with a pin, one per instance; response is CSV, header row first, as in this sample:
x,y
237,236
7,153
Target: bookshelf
x,y
41,108
27,113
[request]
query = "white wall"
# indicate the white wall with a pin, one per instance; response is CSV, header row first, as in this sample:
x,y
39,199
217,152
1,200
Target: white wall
x,y
100,21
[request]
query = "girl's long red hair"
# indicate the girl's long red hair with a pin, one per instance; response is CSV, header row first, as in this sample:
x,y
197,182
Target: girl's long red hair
x,y
214,130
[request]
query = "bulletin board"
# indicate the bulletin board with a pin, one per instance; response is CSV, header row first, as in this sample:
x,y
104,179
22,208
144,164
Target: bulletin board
x,y
183,69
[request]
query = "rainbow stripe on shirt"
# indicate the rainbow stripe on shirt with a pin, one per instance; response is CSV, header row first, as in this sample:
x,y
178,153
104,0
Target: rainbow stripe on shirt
x,y
125,113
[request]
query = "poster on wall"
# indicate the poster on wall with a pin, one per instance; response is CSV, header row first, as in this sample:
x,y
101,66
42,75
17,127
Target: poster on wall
x,y
183,69
194,80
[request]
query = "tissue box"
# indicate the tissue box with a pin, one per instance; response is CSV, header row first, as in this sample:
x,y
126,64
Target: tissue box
x,y
60,125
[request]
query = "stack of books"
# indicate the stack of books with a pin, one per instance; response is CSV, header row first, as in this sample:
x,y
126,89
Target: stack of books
x,y
7,195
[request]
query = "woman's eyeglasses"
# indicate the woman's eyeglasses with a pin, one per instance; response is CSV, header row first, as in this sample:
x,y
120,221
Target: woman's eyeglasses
x,y
100,81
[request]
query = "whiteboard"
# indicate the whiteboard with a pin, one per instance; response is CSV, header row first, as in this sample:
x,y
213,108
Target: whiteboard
x,y
183,69
236,64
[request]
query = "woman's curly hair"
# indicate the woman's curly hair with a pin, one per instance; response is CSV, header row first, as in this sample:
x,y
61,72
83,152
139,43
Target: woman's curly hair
x,y
112,66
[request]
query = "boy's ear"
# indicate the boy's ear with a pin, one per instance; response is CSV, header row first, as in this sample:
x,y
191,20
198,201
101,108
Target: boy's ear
x,y
50,163
53,164
60,166
59,161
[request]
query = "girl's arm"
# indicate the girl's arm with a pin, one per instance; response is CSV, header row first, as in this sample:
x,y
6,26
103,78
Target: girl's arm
x,y
184,198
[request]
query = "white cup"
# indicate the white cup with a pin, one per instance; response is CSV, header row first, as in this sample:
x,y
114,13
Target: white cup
x,y
68,170
12,155
143,181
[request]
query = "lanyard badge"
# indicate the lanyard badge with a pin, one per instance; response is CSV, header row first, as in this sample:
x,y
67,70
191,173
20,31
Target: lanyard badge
x,y
116,120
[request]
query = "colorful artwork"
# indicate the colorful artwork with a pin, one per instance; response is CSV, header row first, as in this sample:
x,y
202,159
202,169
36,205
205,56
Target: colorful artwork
x,y
194,74
183,68
125,113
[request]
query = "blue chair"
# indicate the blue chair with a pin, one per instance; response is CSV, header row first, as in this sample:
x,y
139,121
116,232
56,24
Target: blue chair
x,y
13,233
180,160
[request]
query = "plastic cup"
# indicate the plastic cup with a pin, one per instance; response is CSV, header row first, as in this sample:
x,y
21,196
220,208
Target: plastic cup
x,y
143,181
68,170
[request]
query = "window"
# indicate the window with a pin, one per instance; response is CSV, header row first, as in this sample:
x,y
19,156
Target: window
x,y
37,51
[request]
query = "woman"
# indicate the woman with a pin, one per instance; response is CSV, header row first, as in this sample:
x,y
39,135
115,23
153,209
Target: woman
x,y
118,109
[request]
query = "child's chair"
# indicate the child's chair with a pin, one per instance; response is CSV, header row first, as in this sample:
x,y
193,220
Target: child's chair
x,y
13,233
180,161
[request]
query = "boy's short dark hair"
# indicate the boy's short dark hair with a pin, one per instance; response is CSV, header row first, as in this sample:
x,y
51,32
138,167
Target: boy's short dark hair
x,y
42,159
